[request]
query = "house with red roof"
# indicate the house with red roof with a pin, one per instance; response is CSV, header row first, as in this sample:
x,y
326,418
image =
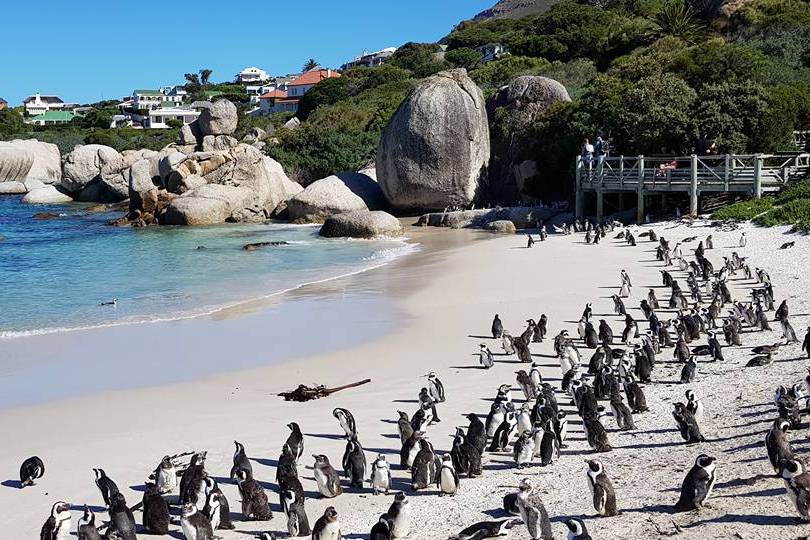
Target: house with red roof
x,y
275,101
286,98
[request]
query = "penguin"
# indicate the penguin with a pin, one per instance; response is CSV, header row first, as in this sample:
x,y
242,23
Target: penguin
x,y
507,343
295,440
192,482
576,529
760,361
30,470
254,500
500,440
57,526
287,470
447,480
605,332
122,521
466,457
155,510
687,425
595,433
697,485
404,426
524,450
497,327
195,525
166,475
743,240
354,463
409,450
87,529
326,477
510,504
652,300
297,521
346,419
435,388
522,350
797,486
533,512
542,326
689,371
618,306
476,433
591,338
217,509
424,470
485,358
484,529
524,419
526,385
380,475
604,496
497,412
105,485
777,444
561,428
694,405
621,412
546,445
240,460
382,529
400,514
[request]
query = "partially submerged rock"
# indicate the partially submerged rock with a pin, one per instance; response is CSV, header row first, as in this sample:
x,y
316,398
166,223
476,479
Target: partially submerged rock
x,y
24,161
257,245
361,224
46,195
322,199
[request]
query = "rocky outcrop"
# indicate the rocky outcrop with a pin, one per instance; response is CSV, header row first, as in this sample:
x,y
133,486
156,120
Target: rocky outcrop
x,y
46,195
361,224
503,226
195,211
364,185
19,188
256,134
99,169
143,193
322,199
435,149
22,161
218,119
522,217
518,106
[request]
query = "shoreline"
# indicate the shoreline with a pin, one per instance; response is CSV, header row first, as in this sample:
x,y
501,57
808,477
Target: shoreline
x,y
448,302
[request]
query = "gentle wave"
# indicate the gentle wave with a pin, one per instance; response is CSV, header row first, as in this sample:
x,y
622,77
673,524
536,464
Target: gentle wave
x,y
380,257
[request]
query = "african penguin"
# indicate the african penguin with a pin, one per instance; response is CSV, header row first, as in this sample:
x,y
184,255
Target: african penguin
x,y
194,524
326,477
404,426
476,433
797,486
87,529
216,508
604,497
382,529
354,463
497,327
576,529
31,469
346,420
523,451
122,521
297,520
400,514
105,485
295,440
380,475
447,480
240,460
155,510
777,444
484,529
533,512
254,499
166,475
424,468
697,485
57,526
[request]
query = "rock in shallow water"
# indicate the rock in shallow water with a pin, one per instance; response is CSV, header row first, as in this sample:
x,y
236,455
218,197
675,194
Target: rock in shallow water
x,y
361,224
46,195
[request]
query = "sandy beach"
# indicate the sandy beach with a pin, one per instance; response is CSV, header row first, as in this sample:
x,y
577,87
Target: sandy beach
x,y
442,300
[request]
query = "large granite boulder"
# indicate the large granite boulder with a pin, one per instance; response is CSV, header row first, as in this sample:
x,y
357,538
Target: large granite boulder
x,y
46,195
361,224
518,106
435,150
364,185
218,119
98,164
503,226
195,211
143,193
323,198
29,160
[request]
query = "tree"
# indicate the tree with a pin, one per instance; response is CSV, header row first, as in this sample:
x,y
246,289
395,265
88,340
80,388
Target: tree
x,y
310,64
326,92
677,19
11,122
193,84
205,75
95,118
463,57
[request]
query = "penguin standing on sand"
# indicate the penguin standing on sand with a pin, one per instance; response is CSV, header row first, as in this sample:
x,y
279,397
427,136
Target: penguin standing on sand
x,y
697,485
87,529
476,433
424,469
326,477
497,327
254,499
327,527
523,450
687,424
485,357
777,444
604,497
400,514
694,405
689,371
297,521
533,512
404,426
354,463
621,412
57,526
380,475
166,475
447,481
155,511
576,529
409,450
546,445
346,420
217,509
105,485
240,460
192,483
382,529
465,457
30,470
435,388
497,412
122,521
500,440
195,525
295,440
287,470
797,486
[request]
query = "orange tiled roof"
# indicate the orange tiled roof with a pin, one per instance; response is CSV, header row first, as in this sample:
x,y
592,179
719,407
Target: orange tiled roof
x,y
313,76
275,94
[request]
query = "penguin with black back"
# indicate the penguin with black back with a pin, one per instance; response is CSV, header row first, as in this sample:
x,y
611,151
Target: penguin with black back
x,y
295,440
87,529
155,510
240,460
122,521
30,470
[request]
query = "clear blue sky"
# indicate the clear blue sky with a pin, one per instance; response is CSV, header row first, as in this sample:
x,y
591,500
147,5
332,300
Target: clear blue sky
x,y
87,50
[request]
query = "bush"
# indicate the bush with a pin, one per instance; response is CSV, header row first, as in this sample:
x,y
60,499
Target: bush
x,y
463,57
790,213
499,72
798,190
419,58
744,210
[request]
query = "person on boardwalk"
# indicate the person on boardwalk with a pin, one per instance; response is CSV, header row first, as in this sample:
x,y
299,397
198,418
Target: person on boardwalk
x,y
587,153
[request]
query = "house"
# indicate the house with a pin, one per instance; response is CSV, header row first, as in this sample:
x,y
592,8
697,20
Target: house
x,y
3,104
368,59
159,117
491,51
252,75
38,104
276,101
301,85
51,118
121,121
152,99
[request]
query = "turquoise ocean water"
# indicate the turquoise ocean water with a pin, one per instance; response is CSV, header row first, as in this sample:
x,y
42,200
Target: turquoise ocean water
x,y
54,274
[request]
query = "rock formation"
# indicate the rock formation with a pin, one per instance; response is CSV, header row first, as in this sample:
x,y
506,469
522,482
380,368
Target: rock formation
x,y
361,224
435,150
28,164
335,194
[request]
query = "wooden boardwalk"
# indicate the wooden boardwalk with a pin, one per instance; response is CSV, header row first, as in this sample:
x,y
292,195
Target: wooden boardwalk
x,y
753,174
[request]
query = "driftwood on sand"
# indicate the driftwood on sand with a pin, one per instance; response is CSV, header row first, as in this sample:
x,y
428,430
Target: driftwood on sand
x,y
307,393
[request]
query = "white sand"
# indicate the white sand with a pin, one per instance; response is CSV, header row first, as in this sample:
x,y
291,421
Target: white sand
x,y
446,300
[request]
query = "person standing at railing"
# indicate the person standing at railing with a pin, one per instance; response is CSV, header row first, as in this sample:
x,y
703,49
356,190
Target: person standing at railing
x,y
587,153
600,149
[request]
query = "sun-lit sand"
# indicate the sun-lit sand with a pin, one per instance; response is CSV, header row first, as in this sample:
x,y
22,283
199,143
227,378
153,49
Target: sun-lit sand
x,y
442,300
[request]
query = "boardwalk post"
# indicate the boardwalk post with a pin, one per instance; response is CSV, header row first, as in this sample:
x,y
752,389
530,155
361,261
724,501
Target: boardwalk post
x,y
578,201
726,172
758,176
640,191
693,187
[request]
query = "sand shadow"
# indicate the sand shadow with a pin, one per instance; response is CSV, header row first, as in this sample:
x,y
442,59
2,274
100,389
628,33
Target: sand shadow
x,y
480,337
16,484
756,519
265,461
330,436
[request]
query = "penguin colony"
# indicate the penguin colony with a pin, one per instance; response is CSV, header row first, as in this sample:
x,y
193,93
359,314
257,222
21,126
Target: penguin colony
x,y
601,372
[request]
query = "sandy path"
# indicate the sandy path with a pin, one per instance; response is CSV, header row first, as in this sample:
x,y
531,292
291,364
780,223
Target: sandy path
x,y
447,299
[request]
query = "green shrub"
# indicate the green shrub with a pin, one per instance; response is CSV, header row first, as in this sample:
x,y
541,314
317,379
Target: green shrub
x,y
499,72
744,210
797,190
790,213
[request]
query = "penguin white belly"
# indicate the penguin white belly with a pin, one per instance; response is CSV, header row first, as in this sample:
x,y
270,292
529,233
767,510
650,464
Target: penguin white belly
x,y
380,480
412,454
330,532
189,530
447,481
401,526
63,530
167,480
538,443
323,483
526,453
201,497
524,422
215,518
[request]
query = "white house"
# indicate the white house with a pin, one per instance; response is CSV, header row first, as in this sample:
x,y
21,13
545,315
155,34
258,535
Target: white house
x,y
301,85
373,59
276,101
252,75
151,99
159,117
39,104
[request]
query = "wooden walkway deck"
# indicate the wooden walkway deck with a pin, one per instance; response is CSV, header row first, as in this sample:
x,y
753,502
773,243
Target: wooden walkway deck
x,y
753,174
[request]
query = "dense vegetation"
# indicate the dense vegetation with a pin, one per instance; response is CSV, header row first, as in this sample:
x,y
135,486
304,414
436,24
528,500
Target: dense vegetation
x,y
791,207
